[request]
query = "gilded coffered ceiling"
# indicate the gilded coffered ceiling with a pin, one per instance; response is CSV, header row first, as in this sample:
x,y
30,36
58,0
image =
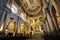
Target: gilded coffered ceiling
x,y
33,10
32,7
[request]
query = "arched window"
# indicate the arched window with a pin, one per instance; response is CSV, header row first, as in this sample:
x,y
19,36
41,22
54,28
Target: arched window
x,y
14,9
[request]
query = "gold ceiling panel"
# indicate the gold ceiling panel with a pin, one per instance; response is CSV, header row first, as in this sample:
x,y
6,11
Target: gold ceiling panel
x,y
33,11
31,6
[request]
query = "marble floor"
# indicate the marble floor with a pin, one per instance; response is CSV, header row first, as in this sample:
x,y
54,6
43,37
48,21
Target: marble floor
x,y
36,36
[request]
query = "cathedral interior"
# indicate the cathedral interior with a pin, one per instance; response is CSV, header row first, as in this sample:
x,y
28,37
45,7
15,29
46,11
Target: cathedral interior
x,y
30,19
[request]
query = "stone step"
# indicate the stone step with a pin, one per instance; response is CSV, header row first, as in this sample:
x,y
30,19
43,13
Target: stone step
x,y
36,36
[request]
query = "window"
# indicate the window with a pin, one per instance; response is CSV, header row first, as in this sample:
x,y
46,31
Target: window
x,y
14,9
23,16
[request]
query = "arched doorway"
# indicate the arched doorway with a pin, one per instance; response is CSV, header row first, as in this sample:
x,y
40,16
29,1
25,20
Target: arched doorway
x,y
11,27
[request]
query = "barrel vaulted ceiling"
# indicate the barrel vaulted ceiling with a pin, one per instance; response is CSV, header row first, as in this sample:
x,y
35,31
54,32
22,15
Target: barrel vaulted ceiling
x,y
31,7
34,9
